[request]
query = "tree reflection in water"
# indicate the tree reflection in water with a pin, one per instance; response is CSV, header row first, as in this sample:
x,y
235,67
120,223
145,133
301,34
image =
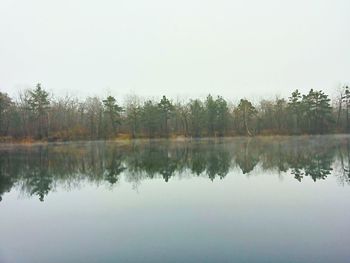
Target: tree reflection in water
x,y
36,170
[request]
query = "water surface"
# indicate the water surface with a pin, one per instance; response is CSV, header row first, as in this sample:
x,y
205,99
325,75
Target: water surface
x,y
229,200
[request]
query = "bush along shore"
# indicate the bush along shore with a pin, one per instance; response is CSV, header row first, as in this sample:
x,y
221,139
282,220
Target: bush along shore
x,y
38,116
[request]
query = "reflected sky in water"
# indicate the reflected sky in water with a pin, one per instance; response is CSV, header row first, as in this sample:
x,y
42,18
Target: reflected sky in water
x,y
229,200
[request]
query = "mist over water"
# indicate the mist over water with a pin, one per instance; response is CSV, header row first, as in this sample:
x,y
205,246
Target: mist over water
x,y
273,199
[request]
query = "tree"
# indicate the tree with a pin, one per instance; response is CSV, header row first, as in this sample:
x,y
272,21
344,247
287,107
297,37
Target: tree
x,y
165,108
222,115
280,114
343,105
150,117
36,115
5,106
39,104
181,118
197,115
294,106
133,114
346,100
244,113
91,111
113,110
210,108
317,110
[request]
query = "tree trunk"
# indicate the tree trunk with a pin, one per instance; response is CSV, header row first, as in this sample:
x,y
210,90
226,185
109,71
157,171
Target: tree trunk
x,y
246,122
339,110
347,116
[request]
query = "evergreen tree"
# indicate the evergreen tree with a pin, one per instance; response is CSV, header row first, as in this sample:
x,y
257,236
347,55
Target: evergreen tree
x,y
294,106
222,115
244,113
133,114
165,108
39,104
211,113
5,105
197,115
317,110
150,117
113,110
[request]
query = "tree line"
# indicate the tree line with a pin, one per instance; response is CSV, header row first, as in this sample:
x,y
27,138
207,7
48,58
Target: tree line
x,y
38,115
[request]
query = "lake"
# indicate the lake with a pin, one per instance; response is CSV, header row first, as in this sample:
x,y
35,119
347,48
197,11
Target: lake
x,y
283,199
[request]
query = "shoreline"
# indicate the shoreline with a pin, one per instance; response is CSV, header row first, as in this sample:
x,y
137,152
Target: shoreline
x,y
170,139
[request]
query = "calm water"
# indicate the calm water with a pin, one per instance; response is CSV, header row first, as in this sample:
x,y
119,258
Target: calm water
x,y
231,200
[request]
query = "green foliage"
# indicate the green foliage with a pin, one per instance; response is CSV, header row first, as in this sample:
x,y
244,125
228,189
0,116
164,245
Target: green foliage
x,y
196,117
210,107
151,117
222,115
113,110
317,111
244,113
34,115
311,113
39,101
133,115
39,104
216,114
295,102
165,109
294,107
5,108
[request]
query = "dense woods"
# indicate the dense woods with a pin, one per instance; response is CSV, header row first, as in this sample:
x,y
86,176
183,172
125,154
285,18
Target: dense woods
x,y
37,115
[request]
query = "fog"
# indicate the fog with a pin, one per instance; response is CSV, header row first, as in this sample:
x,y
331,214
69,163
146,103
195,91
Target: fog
x,y
177,48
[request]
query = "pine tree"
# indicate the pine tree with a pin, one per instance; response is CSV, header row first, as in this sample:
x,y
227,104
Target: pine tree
x,y
197,115
245,111
39,104
210,107
294,106
222,115
150,117
165,108
113,110
317,110
5,105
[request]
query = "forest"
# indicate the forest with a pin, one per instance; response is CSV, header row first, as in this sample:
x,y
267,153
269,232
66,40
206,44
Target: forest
x,y
38,115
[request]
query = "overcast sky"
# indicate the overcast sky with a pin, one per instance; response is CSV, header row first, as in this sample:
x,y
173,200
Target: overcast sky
x,y
183,47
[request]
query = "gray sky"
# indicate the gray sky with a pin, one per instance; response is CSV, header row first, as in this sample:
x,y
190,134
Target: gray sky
x,y
183,47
